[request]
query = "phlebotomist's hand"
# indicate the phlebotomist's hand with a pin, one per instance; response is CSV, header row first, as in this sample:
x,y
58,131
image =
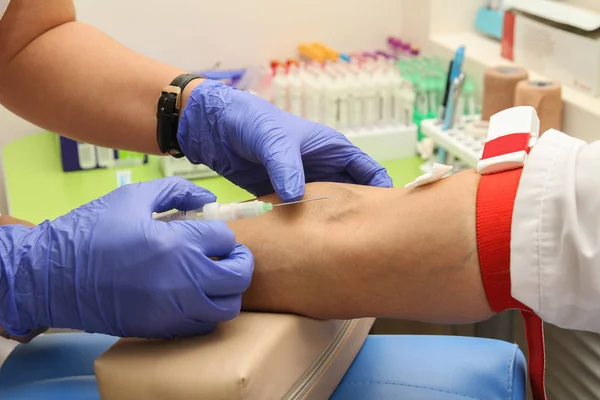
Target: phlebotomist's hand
x,y
109,267
264,149
8,220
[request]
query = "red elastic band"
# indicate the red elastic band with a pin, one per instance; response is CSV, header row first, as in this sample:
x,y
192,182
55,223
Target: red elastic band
x,y
506,144
534,329
495,202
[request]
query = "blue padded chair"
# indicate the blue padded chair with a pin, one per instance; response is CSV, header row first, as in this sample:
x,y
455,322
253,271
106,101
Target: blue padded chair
x,y
54,367
435,367
61,367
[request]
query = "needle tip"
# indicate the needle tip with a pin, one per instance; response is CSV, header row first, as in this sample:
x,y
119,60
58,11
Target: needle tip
x,y
301,201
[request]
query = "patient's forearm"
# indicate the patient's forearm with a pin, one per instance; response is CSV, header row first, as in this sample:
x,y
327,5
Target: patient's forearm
x,y
370,252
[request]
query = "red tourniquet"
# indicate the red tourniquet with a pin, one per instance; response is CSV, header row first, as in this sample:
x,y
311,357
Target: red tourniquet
x,y
495,201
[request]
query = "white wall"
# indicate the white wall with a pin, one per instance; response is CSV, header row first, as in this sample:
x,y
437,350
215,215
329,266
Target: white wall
x,y
593,5
196,34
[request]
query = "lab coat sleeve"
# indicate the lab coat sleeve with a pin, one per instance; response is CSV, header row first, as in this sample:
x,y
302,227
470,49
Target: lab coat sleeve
x,y
555,233
3,7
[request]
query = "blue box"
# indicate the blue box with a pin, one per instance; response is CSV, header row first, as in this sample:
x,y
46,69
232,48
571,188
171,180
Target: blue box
x,y
490,22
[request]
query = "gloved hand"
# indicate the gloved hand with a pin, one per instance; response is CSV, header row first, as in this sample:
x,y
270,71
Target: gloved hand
x,y
109,267
259,147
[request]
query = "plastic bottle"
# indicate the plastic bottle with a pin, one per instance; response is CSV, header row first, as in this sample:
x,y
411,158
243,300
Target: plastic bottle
x,y
294,91
429,85
460,110
397,91
105,157
468,93
313,94
87,155
330,99
356,97
395,45
422,101
371,101
386,82
279,86
409,97
323,84
344,85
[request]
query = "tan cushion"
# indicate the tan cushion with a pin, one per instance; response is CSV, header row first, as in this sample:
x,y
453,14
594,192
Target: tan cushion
x,y
255,356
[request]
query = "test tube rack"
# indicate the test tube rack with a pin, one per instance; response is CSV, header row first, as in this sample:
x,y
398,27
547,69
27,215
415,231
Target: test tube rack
x,y
464,142
384,144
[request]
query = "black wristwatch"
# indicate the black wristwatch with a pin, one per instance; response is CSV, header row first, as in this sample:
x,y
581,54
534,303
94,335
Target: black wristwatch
x,y
167,115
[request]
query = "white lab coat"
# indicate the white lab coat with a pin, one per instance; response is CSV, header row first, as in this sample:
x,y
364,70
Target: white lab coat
x,y
555,237
3,7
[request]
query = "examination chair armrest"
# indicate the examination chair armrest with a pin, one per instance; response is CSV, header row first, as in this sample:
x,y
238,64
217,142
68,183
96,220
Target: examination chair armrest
x,y
255,356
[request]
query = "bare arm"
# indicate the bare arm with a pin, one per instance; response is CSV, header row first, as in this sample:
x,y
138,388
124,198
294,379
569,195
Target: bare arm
x,y
70,78
371,252
366,251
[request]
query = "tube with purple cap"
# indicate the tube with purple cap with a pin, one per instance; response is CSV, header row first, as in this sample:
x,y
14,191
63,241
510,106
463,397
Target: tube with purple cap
x,y
395,44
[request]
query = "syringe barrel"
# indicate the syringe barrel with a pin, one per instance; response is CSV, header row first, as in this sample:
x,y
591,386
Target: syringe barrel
x,y
174,215
232,211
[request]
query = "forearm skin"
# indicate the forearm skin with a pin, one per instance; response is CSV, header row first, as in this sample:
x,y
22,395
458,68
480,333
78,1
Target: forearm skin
x,y
370,252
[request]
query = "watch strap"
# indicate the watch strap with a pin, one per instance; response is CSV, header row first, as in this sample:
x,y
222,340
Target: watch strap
x,y
168,113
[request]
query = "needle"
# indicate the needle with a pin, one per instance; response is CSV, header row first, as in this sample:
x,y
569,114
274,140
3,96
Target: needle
x,y
301,201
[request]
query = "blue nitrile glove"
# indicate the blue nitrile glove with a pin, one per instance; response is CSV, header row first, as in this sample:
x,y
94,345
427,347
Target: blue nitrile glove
x,y
260,147
109,267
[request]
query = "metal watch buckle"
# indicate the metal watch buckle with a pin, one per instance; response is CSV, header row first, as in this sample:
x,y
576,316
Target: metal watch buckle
x,y
176,90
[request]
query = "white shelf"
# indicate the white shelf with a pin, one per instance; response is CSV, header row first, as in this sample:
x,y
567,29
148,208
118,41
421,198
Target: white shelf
x,y
486,52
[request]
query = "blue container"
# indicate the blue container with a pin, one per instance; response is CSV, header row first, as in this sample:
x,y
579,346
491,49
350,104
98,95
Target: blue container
x,y
489,22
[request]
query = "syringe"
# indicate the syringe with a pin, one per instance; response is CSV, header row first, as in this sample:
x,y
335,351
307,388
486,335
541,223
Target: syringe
x,y
225,212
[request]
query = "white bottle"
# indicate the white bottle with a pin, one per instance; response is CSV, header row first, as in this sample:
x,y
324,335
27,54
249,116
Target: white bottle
x,y
470,104
105,157
330,101
371,100
87,156
398,97
422,101
386,84
460,111
344,84
279,86
355,98
409,97
376,82
295,91
312,95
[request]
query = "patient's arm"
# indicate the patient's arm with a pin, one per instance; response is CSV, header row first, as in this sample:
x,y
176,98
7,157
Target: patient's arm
x,y
368,251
